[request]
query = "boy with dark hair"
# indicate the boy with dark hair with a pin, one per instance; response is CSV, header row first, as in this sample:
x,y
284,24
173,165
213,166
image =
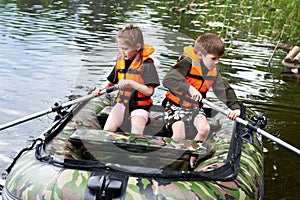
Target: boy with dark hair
x,y
188,82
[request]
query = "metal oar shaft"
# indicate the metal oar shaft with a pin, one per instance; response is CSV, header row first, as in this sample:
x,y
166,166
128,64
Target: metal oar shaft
x,y
53,109
24,119
248,125
79,100
44,112
278,141
88,97
268,135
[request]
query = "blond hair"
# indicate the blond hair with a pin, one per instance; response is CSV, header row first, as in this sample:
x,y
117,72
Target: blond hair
x,y
209,44
132,35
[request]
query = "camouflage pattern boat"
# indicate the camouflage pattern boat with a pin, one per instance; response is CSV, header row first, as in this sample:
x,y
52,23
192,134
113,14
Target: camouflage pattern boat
x,y
75,159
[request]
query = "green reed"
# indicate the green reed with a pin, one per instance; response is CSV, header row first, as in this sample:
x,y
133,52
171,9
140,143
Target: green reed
x,y
236,19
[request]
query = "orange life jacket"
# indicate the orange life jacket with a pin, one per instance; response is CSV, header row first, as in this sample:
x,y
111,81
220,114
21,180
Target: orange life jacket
x,y
194,78
133,73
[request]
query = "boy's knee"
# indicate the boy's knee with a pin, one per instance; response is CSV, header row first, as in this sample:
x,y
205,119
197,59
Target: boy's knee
x,y
203,128
202,132
206,128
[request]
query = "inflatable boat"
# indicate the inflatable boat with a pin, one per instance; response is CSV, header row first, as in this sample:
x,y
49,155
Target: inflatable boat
x,y
75,159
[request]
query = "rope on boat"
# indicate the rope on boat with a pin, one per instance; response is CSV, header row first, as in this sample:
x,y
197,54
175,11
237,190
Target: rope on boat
x,y
22,151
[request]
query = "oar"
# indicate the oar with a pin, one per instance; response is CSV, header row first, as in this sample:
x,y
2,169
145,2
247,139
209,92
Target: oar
x,y
254,128
54,109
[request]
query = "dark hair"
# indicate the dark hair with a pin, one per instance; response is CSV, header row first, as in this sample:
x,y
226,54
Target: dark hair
x,y
209,43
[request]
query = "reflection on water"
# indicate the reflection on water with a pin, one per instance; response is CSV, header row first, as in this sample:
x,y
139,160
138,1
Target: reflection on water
x,y
50,52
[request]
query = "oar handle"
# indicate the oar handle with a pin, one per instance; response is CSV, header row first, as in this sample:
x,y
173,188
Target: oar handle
x,y
110,89
215,107
249,125
89,97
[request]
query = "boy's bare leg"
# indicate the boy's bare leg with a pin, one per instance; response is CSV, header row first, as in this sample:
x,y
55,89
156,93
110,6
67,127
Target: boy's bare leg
x,y
114,120
202,126
178,129
203,129
138,124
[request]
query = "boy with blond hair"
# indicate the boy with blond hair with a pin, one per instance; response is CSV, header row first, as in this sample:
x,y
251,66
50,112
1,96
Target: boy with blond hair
x,y
136,77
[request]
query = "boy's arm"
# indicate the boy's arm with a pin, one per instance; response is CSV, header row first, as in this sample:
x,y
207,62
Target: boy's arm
x,y
175,79
225,93
147,90
232,100
151,80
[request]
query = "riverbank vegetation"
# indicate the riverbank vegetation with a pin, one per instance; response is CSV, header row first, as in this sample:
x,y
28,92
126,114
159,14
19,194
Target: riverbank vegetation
x,y
234,19
231,19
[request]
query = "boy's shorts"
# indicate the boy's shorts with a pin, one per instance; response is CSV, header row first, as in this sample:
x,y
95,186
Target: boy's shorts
x,y
174,113
137,112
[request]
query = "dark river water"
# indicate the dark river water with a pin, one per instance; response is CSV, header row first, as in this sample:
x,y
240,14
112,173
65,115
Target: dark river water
x,y
51,51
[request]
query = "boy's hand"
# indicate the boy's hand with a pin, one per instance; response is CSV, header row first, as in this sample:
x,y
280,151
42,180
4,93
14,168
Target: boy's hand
x,y
96,92
233,114
124,83
195,94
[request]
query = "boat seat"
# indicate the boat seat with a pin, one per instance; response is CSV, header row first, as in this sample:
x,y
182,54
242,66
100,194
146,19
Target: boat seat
x,y
144,151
